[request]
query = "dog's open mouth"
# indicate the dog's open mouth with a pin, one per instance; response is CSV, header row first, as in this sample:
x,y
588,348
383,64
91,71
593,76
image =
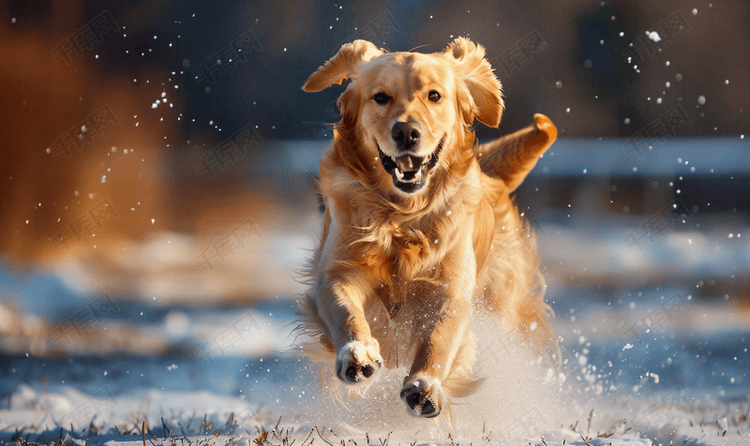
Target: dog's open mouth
x,y
410,172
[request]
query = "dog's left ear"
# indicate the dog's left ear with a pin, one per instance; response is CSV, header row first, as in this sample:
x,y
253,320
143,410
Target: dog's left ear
x,y
475,71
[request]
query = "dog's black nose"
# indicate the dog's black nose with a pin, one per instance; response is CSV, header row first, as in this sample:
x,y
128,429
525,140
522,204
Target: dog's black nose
x,y
406,134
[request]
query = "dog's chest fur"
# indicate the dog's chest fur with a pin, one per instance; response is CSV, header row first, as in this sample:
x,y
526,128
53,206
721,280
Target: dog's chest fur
x,y
409,250
405,244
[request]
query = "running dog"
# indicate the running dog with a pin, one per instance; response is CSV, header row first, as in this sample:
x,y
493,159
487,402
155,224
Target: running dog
x,y
420,230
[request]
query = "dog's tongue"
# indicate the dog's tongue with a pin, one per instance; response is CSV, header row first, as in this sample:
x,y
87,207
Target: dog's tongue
x,y
409,163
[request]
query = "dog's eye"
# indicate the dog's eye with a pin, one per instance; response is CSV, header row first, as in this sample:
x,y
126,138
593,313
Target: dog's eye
x,y
434,96
381,98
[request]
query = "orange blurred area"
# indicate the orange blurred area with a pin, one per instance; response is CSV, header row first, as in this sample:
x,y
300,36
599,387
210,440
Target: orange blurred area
x,y
95,191
102,188
43,192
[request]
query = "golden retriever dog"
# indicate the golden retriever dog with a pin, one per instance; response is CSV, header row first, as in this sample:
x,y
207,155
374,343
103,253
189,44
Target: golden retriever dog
x,y
420,230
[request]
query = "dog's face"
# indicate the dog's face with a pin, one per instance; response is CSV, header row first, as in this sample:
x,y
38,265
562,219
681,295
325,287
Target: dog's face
x,y
410,112
407,113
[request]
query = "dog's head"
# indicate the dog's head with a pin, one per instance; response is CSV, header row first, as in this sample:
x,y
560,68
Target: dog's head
x,y
409,111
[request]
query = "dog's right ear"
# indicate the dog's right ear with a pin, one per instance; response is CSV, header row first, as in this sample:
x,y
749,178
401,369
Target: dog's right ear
x,y
342,66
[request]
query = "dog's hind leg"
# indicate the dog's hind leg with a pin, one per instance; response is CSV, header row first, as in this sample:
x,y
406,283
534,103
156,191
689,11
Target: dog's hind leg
x,y
460,383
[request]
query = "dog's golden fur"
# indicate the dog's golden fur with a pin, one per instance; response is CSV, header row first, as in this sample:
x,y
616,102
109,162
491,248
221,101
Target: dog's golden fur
x,y
420,229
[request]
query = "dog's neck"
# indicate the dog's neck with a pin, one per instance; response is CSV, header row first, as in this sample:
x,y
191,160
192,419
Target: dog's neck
x,y
406,233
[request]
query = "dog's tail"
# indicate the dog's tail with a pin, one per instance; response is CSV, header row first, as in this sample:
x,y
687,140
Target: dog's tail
x,y
513,156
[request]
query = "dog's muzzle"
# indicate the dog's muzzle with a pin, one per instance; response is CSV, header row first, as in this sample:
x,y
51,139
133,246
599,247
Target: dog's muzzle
x,y
410,172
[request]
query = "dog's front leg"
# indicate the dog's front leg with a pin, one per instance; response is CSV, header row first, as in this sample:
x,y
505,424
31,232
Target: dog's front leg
x,y
340,304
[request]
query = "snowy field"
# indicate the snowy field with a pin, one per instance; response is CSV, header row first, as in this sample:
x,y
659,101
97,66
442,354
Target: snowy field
x,y
167,319
650,358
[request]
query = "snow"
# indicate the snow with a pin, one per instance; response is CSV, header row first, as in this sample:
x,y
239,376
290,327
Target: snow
x,y
648,357
653,35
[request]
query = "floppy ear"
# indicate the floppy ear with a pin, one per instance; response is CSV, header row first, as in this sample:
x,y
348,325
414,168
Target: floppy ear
x,y
485,89
342,65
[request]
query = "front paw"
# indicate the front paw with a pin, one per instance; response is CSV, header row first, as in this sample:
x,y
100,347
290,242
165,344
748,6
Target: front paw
x,y
425,397
357,361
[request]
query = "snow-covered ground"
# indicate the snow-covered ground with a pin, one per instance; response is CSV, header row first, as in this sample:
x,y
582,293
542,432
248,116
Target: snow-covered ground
x,y
683,382
650,357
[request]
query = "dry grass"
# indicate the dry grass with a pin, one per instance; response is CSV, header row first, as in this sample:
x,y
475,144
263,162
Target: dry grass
x,y
265,431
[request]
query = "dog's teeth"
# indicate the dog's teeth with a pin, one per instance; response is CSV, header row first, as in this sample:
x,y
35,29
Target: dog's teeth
x,y
399,174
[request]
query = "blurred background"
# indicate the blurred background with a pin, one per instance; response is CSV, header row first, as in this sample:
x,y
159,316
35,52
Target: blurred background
x,y
159,157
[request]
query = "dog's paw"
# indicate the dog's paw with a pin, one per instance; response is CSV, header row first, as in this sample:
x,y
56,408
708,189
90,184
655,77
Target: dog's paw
x,y
425,397
357,361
